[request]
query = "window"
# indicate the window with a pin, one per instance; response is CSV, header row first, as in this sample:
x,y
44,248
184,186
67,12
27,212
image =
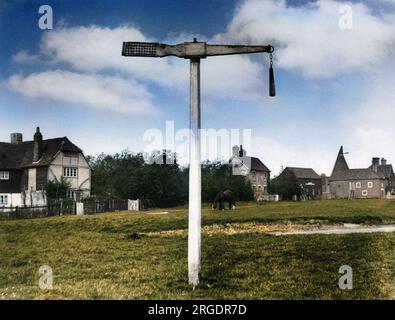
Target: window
x,y
358,185
70,172
370,184
4,175
364,193
71,194
3,199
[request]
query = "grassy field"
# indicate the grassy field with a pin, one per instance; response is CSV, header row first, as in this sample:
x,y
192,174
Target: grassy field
x,y
143,255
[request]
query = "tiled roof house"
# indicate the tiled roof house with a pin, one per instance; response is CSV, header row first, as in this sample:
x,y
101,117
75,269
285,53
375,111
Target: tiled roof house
x,y
26,167
253,168
308,180
372,182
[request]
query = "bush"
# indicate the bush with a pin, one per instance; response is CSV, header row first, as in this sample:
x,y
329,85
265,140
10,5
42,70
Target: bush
x,y
127,176
286,186
56,190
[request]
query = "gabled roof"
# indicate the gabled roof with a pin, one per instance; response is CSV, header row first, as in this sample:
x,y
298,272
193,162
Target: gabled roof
x,y
386,171
303,173
17,156
251,163
362,174
257,165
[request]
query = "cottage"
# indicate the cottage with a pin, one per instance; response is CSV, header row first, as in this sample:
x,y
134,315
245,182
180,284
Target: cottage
x,y
309,182
253,168
372,182
26,167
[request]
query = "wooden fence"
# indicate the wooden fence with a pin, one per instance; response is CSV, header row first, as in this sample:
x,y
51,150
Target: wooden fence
x,y
50,210
92,206
61,208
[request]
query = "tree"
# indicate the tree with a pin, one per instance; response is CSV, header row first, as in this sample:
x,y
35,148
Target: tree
x,y
285,185
156,179
217,176
56,190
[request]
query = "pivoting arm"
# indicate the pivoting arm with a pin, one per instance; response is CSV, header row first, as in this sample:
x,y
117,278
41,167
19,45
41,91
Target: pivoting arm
x,y
187,50
196,50
220,50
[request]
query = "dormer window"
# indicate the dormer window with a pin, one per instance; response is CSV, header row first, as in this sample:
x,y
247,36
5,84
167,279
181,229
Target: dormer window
x,y
4,175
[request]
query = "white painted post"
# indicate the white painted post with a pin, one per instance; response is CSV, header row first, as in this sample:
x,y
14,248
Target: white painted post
x,y
79,208
195,204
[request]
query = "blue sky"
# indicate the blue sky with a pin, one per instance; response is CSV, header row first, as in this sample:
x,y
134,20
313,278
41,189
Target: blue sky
x,y
335,86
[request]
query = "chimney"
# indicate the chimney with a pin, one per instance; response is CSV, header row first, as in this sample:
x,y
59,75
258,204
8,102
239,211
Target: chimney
x,y
242,152
235,151
16,138
375,163
37,148
383,162
164,156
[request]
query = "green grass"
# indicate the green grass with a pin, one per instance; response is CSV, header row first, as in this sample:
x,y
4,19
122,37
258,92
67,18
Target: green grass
x,y
141,256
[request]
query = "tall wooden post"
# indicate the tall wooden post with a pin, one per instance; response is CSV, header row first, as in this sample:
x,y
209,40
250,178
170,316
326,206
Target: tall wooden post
x,y
195,184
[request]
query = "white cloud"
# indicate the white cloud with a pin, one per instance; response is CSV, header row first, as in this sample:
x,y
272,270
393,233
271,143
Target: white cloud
x,y
308,38
95,91
370,127
97,49
24,56
94,49
310,154
90,53
233,77
365,130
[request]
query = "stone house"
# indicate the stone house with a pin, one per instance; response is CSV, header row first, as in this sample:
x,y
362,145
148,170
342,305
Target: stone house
x,y
26,167
372,182
253,168
309,181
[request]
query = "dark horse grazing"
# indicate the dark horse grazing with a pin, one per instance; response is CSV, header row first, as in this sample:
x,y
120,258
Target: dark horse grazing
x,y
221,197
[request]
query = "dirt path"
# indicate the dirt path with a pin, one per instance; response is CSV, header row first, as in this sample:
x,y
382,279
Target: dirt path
x,y
345,230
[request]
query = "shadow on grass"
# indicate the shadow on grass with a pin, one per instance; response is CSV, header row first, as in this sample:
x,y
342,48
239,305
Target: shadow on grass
x,y
229,262
257,266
